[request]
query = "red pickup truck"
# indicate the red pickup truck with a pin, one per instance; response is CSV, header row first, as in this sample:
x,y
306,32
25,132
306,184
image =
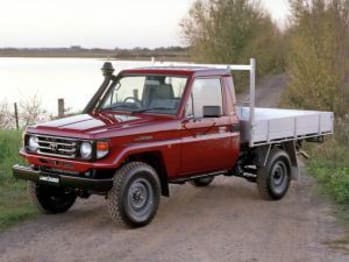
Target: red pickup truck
x,y
148,127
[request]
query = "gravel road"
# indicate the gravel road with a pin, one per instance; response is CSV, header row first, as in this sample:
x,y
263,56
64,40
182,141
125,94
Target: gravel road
x,y
226,221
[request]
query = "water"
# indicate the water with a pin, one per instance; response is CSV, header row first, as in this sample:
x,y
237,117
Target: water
x,y
73,79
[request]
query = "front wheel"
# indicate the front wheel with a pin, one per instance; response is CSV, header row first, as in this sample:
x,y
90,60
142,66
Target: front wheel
x,y
51,199
274,179
135,195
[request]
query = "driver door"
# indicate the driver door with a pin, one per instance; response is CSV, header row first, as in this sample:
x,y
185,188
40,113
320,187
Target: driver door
x,y
206,141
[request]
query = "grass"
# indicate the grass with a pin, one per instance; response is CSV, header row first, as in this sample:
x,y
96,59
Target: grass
x,y
14,202
330,166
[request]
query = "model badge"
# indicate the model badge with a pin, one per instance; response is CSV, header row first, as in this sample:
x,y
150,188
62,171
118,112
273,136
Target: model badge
x,y
143,138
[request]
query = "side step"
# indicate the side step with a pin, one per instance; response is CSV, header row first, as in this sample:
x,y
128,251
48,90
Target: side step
x,y
182,180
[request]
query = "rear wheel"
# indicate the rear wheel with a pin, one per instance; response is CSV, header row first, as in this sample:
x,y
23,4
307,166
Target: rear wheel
x,y
274,179
202,181
135,196
51,199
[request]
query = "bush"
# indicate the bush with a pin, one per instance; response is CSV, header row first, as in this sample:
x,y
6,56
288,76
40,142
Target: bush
x,y
317,66
318,55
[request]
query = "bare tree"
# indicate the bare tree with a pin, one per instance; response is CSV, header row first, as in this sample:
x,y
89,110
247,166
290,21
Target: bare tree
x,y
31,110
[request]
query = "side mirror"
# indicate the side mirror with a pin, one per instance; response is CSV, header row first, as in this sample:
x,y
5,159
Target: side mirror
x,y
212,111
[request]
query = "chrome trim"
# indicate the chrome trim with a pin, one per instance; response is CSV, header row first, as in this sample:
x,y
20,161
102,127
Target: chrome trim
x,y
73,150
56,146
55,155
59,143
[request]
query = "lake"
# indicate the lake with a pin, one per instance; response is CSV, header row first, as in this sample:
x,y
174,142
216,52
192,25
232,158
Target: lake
x,y
73,79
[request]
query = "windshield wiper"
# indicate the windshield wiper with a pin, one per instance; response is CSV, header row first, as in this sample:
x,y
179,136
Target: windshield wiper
x,y
113,107
151,108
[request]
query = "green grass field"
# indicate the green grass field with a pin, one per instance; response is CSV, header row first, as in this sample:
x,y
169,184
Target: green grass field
x,y
14,202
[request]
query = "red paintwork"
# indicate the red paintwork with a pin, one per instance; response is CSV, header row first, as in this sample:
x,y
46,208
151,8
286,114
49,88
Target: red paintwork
x,y
187,147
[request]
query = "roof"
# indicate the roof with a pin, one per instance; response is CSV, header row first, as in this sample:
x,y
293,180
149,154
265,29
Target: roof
x,y
178,70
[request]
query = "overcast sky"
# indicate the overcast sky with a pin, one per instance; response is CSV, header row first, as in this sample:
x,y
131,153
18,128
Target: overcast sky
x,y
99,23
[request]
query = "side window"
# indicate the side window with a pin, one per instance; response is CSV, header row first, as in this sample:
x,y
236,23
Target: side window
x,y
205,92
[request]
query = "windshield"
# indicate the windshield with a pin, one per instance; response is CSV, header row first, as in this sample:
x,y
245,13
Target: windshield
x,y
158,93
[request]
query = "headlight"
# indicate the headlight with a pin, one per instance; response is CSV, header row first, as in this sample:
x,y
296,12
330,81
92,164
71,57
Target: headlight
x,y
85,150
33,143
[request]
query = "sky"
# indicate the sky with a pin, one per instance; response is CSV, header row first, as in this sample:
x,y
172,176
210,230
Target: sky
x,y
100,23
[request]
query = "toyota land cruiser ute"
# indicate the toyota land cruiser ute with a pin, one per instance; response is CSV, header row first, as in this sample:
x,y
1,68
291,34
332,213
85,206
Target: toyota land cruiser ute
x,y
148,127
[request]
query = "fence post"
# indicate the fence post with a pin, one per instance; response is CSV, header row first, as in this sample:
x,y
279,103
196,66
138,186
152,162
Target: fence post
x,y
16,116
60,107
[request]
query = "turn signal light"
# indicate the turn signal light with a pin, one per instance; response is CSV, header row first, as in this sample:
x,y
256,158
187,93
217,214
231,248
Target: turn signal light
x,y
102,146
102,149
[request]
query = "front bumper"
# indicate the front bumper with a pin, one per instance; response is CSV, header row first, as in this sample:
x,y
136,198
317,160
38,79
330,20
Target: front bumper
x,y
91,184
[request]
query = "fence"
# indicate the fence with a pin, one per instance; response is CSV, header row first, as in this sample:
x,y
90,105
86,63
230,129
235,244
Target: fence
x,y
17,116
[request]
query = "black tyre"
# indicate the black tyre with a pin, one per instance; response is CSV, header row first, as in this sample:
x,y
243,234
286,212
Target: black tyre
x,y
135,196
274,179
51,199
202,181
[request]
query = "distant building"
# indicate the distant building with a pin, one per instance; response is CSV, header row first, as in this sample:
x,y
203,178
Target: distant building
x,y
75,47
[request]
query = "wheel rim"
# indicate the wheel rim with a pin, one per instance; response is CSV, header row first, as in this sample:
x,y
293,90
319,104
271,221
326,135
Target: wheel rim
x,y
140,199
279,177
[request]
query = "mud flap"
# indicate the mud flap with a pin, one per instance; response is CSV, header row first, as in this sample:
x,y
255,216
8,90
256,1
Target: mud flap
x,y
290,148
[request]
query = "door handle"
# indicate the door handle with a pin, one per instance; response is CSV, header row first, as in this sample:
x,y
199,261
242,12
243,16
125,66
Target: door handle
x,y
222,129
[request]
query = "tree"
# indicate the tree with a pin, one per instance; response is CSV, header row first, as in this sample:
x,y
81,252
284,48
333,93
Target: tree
x,y
317,62
232,31
31,111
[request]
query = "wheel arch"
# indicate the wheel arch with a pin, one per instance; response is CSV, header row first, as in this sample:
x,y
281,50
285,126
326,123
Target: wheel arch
x,y
155,160
263,153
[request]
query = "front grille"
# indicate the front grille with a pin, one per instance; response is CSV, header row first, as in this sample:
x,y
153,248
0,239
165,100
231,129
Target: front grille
x,y
57,146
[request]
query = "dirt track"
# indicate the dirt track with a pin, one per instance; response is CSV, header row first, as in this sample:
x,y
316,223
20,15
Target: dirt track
x,y
224,222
